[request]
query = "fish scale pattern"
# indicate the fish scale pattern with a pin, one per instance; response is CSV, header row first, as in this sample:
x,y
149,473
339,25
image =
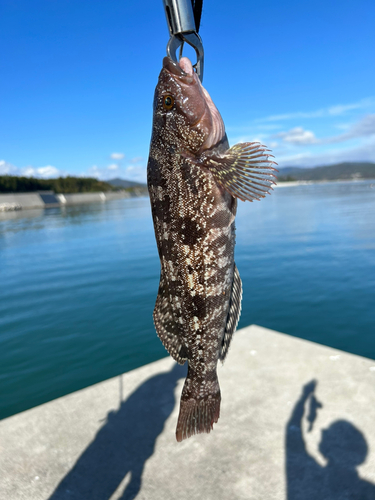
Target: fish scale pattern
x,y
195,233
192,177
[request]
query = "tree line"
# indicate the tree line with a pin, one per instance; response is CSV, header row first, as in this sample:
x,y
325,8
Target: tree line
x,y
15,184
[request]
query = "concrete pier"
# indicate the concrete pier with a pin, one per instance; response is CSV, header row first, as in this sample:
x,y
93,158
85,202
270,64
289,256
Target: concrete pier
x,y
45,199
297,422
21,200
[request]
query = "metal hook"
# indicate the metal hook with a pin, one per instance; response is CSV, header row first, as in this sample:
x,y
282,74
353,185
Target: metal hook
x,y
181,24
193,39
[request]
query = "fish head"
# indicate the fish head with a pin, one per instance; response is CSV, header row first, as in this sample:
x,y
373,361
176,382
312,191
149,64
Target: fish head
x,y
184,110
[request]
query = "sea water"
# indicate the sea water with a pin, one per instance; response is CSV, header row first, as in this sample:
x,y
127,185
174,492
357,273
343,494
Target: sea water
x,y
78,284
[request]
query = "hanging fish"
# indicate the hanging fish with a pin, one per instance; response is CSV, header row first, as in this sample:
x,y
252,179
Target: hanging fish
x,y
315,405
194,180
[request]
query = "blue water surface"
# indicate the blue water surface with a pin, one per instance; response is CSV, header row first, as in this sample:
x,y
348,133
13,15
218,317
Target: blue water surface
x,y
78,284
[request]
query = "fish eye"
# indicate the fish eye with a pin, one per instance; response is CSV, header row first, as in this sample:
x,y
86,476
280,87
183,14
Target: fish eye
x,y
168,102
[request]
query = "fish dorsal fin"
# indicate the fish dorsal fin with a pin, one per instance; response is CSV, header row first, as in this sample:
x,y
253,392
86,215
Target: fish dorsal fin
x,y
233,313
166,326
245,170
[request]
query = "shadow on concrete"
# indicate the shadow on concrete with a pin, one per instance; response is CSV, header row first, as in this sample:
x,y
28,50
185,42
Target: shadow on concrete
x,y
343,446
123,444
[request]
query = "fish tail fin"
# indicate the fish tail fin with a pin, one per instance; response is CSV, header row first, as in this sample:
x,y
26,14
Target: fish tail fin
x,y
198,413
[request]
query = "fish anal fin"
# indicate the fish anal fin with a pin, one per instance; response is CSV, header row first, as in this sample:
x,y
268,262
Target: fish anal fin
x,y
166,326
245,170
234,313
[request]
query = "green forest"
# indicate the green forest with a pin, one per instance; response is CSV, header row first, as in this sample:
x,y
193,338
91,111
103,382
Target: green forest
x,y
14,184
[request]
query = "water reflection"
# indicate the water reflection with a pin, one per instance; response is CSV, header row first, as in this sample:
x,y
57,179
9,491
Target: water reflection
x,y
343,446
54,217
124,443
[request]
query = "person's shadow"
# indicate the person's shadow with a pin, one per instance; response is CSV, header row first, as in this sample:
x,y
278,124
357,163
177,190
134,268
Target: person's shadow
x,y
342,444
123,444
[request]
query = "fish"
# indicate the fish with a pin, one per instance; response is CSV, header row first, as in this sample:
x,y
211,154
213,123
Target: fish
x,y
194,180
315,405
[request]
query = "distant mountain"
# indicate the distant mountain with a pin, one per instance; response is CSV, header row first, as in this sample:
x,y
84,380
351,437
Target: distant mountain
x,y
122,183
339,171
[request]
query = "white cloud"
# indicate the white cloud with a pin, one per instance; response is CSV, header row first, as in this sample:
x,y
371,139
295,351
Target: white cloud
x,y
247,138
27,172
298,114
42,172
297,135
136,159
134,169
133,172
343,126
117,156
363,128
298,159
245,129
335,110
7,168
363,152
48,172
343,108
136,173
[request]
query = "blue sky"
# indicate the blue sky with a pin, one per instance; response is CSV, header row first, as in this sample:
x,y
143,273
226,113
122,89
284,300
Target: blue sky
x,y
78,76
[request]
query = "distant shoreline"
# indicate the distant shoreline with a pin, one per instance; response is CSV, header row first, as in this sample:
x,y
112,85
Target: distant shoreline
x,y
11,202
325,181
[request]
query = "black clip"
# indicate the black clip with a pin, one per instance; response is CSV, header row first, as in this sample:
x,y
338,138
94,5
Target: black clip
x,y
181,24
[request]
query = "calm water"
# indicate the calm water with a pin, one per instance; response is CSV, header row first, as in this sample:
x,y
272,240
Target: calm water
x,y
78,285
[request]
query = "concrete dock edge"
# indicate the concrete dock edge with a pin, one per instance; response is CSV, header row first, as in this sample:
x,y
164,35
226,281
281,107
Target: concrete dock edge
x,y
46,199
116,439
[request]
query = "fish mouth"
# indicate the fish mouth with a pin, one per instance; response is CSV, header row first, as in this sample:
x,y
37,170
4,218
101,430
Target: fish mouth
x,y
210,119
183,69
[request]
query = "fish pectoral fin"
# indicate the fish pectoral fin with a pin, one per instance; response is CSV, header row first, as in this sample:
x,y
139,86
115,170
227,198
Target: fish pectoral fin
x,y
166,326
245,170
234,313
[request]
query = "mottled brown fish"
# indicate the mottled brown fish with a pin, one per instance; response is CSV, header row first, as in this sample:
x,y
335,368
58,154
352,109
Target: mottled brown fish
x,y
193,181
